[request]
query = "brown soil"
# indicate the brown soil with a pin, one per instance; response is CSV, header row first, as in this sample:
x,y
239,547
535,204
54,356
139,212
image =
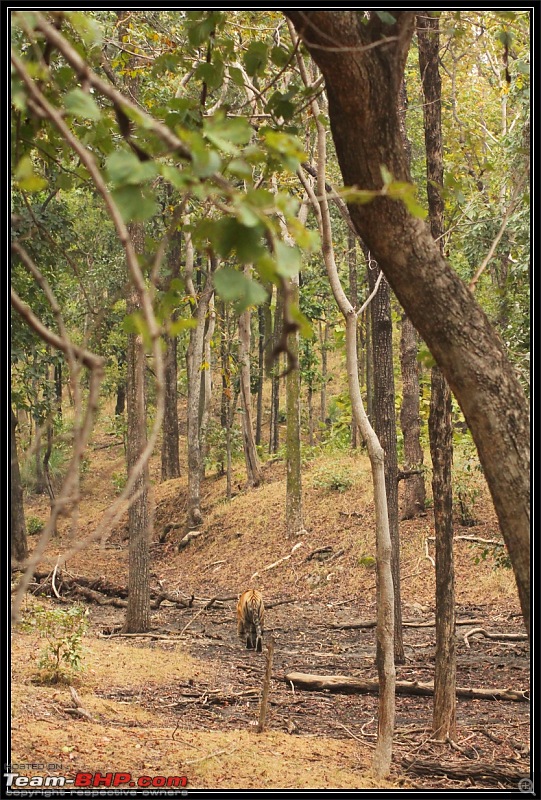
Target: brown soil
x,y
187,701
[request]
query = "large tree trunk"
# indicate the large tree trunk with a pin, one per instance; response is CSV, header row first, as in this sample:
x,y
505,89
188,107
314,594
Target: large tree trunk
x,y
139,515
363,79
19,546
385,427
440,421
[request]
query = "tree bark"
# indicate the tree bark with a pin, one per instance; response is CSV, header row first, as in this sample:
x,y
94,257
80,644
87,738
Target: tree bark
x,y
253,469
440,423
275,379
139,515
170,438
410,422
385,427
194,361
384,580
19,544
363,62
354,297
294,519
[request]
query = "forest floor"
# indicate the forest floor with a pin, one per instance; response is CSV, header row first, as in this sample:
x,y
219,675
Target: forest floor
x,y
184,699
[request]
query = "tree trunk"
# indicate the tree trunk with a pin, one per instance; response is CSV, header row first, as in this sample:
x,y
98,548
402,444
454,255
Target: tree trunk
x,y
170,438
260,372
140,520
354,298
384,579
294,519
19,545
363,80
253,469
385,427
275,379
120,398
58,388
324,345
440,424
414,485
206,384
139,515
410,422
441,449
194,362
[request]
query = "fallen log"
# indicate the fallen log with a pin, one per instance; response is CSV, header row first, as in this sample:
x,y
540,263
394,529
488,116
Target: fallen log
x,y
342,684
500,637
371,623
477,770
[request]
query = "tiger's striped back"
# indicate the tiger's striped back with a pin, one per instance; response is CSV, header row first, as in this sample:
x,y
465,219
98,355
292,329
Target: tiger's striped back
x,y
250,617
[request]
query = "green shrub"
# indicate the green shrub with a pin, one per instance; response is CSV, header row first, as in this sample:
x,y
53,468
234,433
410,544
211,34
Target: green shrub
x,y
335,479
63,630
34,525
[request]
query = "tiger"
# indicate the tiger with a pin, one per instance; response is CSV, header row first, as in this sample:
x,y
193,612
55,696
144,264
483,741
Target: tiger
x,y
250,616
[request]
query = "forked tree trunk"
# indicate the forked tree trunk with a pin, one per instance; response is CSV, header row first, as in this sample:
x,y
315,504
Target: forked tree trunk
x,y
440,424
384,579
363,70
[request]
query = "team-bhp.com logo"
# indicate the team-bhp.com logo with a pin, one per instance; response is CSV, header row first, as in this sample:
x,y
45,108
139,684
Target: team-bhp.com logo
x,y
94,780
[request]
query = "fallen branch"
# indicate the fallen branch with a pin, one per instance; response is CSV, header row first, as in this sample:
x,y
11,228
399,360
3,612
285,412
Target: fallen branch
x,y
501,637
277,563
185,541
476,539
342,684
213,755
476,769
371,623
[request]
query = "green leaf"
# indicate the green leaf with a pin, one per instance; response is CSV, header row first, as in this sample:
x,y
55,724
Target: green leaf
x,y
199,32
26,179
386,18
123,167
211,74
279,56
305,326
176,177
133,204
226,133
81,104
255,58
205,162
87,27
234,286
181,325
288,259
236,76
239,169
